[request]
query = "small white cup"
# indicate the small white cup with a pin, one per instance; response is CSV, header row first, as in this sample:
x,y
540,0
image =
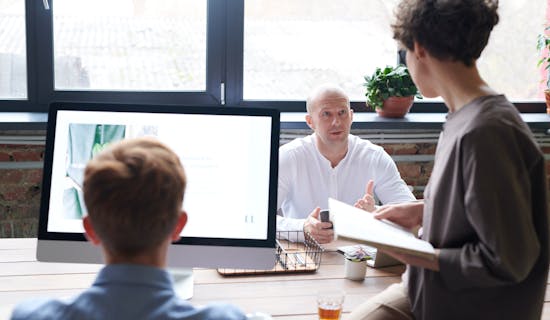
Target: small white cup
x,y
355,270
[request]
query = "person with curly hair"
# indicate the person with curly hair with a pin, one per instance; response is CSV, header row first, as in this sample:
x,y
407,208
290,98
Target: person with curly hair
x,y
485,208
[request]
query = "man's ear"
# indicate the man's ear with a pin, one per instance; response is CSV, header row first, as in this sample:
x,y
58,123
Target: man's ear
x,y
89,231
182,221
309,121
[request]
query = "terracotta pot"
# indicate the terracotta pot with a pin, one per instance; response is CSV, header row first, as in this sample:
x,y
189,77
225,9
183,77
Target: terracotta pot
x,y
547,97
395,107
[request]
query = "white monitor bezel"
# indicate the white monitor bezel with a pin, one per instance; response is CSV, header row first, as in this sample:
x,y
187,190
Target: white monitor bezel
x,y
189,251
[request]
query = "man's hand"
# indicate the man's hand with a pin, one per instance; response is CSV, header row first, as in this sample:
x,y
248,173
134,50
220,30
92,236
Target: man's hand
x,y
367,202
407,215
415,260
320,231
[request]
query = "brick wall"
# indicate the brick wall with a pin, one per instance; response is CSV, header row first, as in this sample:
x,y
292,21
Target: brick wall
x,y
415,172
20,187
20,173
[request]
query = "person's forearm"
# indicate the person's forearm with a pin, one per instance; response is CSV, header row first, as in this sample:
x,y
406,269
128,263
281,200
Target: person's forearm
x,y
289,224
419,210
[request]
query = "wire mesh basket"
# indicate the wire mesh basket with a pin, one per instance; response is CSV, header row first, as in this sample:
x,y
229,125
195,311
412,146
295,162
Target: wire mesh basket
x,y
295,252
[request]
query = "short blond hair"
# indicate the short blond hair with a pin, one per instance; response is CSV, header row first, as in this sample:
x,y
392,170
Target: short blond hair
x,y
133,191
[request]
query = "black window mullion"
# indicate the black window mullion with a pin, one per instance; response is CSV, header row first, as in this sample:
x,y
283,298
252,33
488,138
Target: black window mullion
x,y
30,33
43,54
136,97
215,49
234,53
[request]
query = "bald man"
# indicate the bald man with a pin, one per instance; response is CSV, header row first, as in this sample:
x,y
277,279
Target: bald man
x,y
332,163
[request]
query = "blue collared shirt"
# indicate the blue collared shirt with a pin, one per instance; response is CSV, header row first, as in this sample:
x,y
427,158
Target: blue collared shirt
x,y
125,292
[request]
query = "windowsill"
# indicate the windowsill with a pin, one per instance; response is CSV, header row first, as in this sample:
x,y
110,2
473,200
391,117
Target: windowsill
x,y
296,120
23,121
428,121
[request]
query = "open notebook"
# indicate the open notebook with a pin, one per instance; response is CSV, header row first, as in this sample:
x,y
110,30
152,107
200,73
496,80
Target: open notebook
x,y
354,223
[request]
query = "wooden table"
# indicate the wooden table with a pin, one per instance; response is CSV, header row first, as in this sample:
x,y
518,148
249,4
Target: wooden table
x,y
287,296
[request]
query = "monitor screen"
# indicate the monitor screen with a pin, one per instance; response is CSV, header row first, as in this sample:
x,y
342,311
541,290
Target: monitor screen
x,y
230,157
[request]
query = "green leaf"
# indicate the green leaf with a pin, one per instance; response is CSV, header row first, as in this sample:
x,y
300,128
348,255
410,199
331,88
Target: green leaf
x,y
387,82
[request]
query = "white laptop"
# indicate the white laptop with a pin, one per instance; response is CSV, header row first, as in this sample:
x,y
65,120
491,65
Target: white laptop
x,y
378,260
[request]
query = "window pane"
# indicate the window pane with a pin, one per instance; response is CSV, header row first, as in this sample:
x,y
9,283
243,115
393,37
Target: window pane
x,y
509,63
147,45
291,46
13,56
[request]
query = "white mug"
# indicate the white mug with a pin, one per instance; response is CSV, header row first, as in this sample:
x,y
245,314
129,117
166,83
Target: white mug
x,y
355,270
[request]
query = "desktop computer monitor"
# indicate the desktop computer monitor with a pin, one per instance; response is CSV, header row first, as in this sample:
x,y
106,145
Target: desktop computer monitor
x,y
230,156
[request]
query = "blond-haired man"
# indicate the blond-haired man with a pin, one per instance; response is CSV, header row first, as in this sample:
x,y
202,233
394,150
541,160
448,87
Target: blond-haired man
x,y
134,192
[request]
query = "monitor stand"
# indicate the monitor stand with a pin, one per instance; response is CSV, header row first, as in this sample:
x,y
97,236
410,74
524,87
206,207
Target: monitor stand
x,y
183,282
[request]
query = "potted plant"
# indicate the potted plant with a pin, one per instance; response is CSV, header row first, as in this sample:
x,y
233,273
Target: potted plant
x,y
543,45
391,91
356,264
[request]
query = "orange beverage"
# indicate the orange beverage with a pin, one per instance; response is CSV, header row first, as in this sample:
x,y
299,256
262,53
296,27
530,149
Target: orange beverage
x,y
329,312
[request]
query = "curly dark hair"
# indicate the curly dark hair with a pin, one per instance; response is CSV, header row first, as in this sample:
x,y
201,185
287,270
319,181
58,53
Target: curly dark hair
x,y
456,30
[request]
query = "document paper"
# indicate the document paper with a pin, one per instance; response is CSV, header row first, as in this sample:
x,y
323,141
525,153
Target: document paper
x,y
351,222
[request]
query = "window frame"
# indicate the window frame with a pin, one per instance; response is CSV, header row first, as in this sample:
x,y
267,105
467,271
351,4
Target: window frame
x,y
225,45
40,64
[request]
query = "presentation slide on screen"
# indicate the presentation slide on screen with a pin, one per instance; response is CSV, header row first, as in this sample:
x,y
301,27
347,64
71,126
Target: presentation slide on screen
x,y
226,159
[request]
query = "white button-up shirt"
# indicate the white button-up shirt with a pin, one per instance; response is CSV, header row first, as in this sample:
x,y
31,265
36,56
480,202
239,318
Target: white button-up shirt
x,y
307,179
